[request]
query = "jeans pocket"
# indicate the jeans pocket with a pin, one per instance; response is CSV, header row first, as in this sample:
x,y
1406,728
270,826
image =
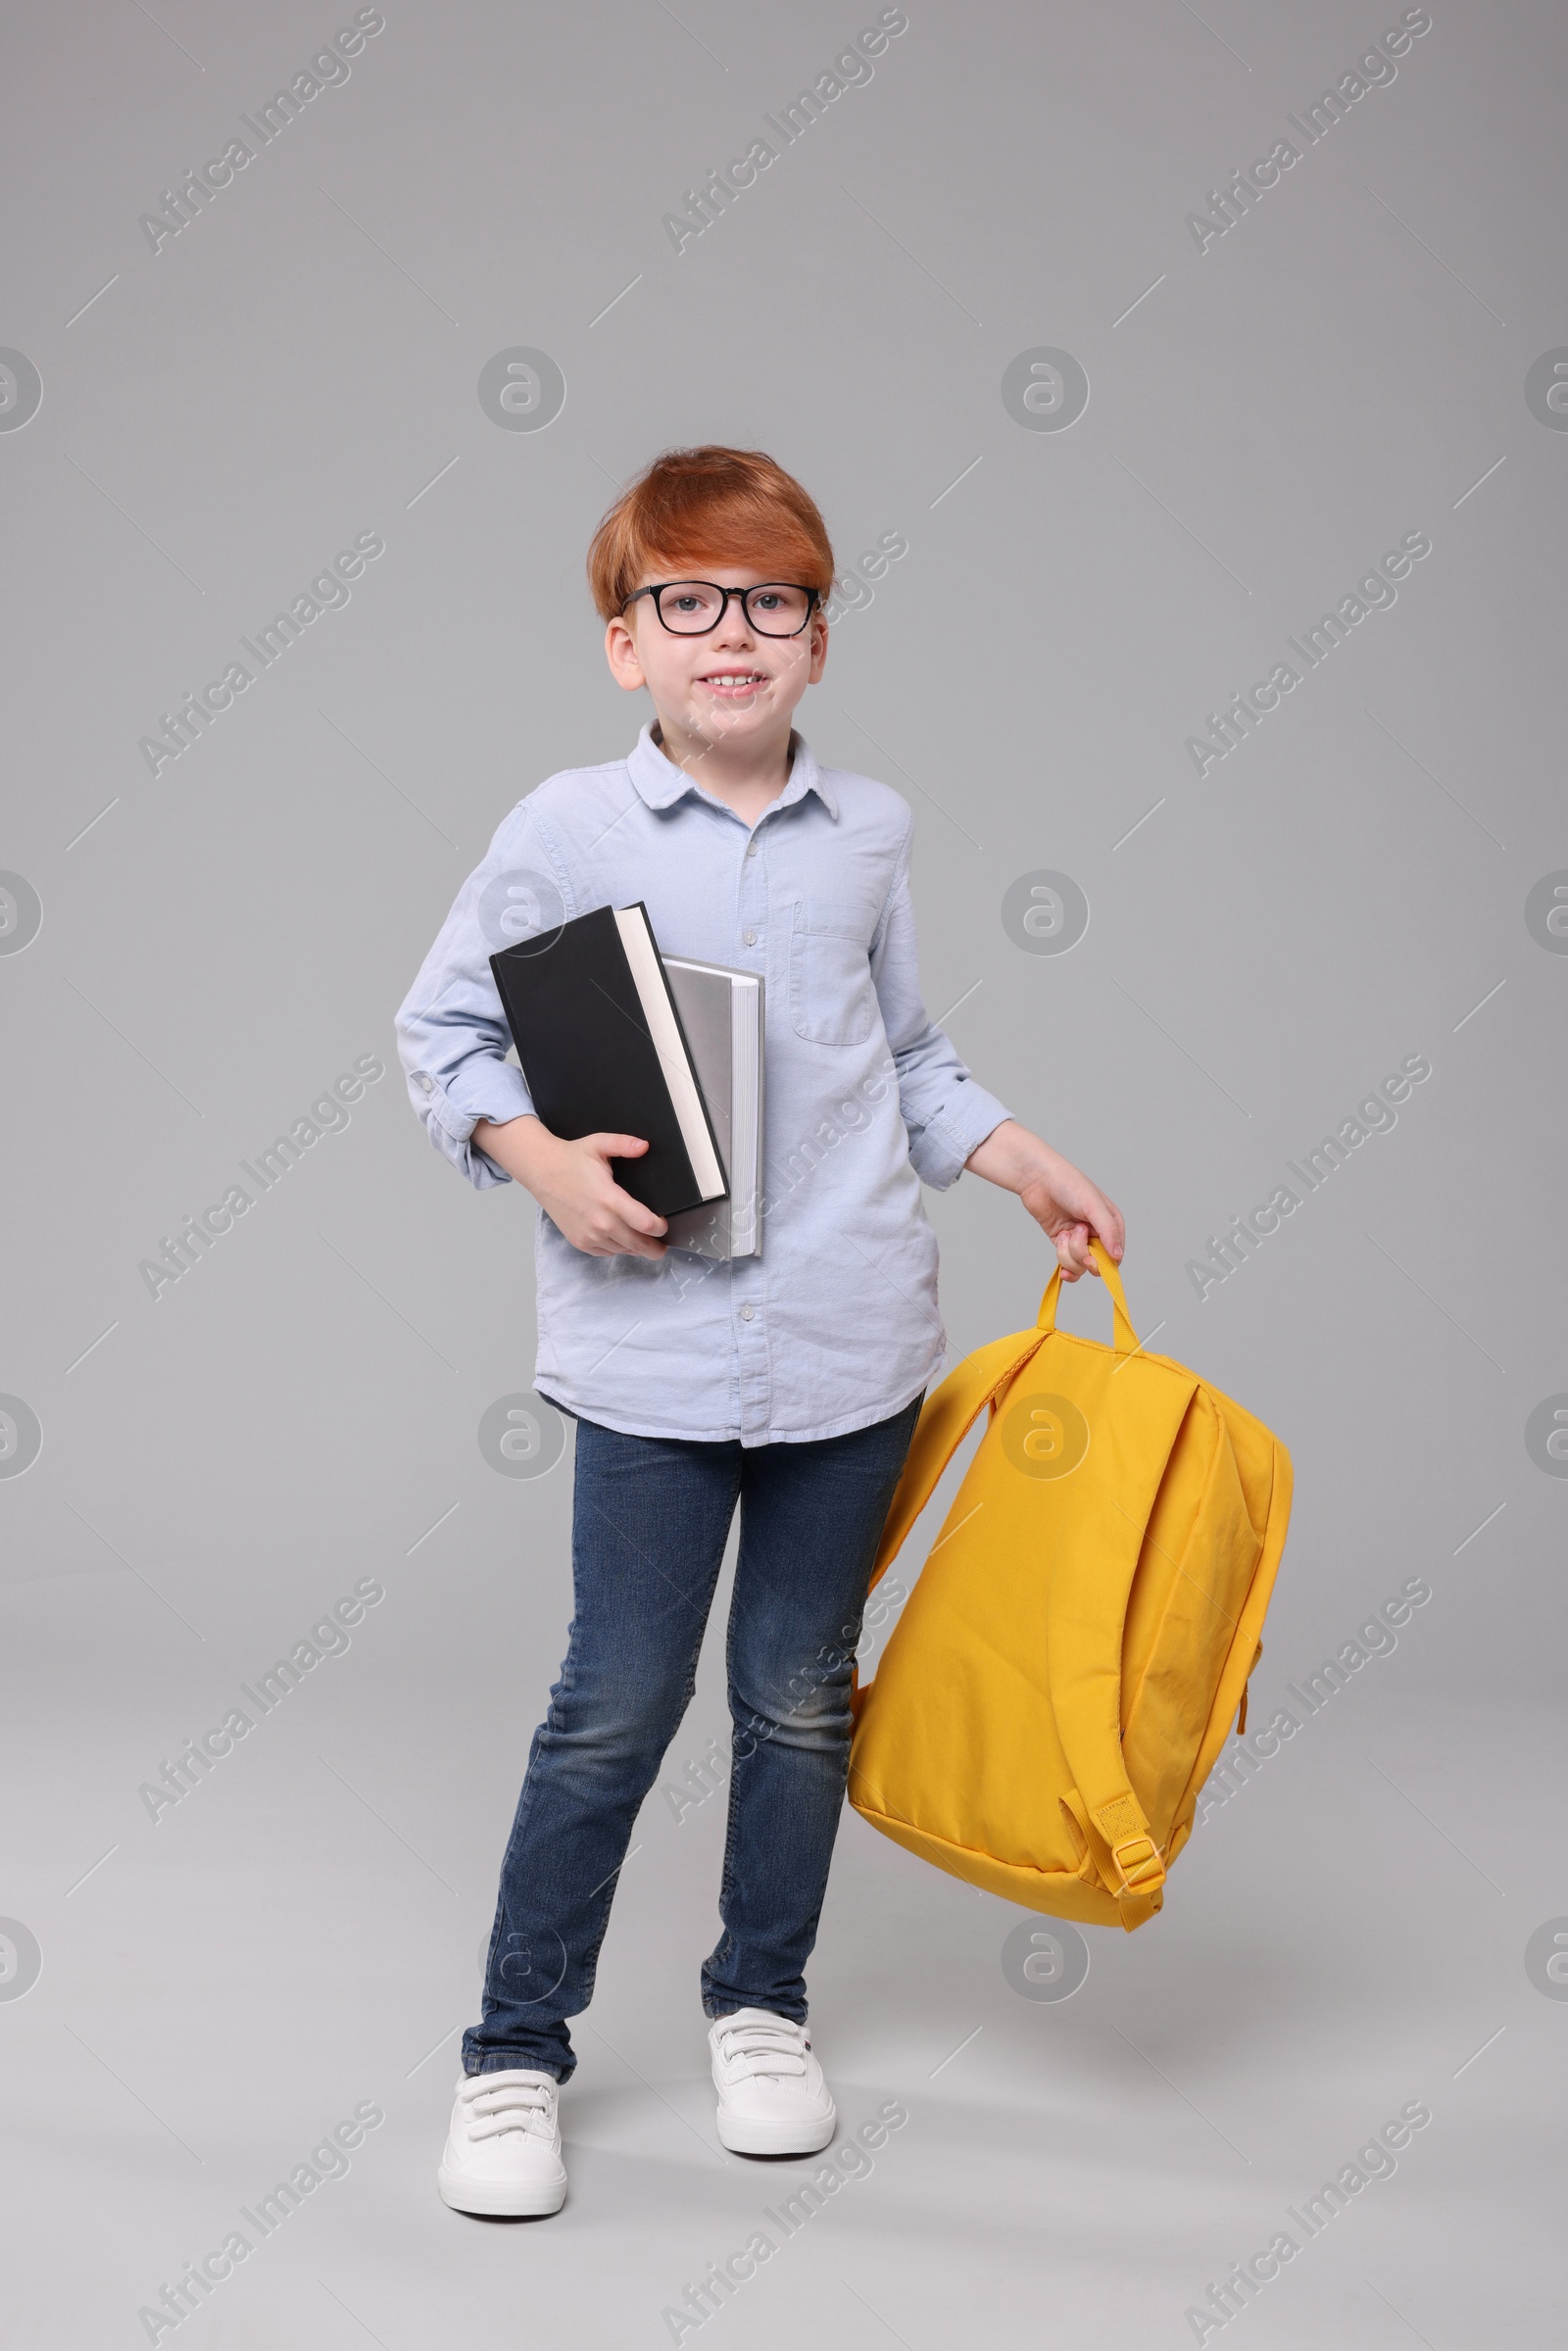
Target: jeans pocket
x,y
831,991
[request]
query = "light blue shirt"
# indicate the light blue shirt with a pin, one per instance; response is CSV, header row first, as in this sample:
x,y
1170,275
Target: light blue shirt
x,y
835,1323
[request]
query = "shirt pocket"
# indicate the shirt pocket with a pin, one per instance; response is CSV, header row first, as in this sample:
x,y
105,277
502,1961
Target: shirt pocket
x,y
831,991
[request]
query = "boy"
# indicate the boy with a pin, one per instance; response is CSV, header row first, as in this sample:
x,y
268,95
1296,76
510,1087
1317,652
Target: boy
x,y
790,1381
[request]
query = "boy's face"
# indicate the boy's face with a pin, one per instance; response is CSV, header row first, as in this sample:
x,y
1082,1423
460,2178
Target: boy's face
x,y
734,685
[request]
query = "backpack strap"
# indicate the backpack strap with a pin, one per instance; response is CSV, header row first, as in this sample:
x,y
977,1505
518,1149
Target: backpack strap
x,y
1091,1587
1126,1860
949,1415
945,1419
1088,1595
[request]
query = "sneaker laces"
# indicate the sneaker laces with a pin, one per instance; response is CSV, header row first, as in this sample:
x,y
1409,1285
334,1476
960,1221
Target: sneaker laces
x,y
496,2106
773,2049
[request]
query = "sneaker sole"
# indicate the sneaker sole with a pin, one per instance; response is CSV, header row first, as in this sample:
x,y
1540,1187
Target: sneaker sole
x,y
504,2199
745,2134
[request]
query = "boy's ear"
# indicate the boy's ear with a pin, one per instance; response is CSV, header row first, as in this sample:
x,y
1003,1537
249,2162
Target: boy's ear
x,y
620,652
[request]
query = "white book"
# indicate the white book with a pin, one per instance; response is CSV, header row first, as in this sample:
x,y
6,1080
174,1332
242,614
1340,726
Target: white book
x,y
721,1012
637,938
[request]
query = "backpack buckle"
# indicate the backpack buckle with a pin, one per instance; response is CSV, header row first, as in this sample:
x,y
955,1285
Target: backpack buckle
x,y
1137,1859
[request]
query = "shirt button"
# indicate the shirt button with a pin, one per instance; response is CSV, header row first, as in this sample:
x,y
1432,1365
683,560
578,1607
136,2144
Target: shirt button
x,y
747,1312
428,1083
750,937
750,849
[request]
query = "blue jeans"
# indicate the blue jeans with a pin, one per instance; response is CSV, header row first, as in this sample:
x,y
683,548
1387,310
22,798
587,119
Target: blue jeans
x,y
650,1516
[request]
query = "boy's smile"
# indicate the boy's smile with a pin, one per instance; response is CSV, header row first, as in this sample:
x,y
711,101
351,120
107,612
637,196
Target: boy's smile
x,y
731,685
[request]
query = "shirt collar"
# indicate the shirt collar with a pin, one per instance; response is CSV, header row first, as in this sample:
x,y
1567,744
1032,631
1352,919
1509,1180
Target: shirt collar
x,y
661,783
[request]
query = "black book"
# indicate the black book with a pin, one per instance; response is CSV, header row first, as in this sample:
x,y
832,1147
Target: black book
x,y
603,1051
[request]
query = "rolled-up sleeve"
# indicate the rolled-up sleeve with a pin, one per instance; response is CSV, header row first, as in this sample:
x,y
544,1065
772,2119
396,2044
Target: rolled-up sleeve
x,y
948,1114
452,1034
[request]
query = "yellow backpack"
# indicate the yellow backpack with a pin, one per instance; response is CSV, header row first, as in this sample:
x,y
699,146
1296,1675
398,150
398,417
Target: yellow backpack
x,y
1067,1668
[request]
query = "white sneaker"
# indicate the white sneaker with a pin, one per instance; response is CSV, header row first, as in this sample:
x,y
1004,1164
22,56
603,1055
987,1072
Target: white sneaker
x,y
772,2099
502,2152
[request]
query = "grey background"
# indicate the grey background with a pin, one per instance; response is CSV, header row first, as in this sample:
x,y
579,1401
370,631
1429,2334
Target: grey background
x,y
301,363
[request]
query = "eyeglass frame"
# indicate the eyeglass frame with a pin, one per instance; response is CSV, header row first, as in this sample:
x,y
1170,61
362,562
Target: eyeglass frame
x,y
782,635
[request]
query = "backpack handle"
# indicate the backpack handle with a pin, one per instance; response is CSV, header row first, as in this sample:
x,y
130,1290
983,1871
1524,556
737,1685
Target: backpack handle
x,y
1127,1339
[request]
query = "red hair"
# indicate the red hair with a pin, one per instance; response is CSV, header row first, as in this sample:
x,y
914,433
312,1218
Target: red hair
x,y
709,505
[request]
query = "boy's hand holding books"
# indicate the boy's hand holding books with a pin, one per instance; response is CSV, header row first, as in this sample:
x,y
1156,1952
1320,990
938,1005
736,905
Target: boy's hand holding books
x,y
573,1185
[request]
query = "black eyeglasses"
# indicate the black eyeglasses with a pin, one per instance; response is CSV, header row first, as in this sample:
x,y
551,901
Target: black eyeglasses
x,y
777,608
